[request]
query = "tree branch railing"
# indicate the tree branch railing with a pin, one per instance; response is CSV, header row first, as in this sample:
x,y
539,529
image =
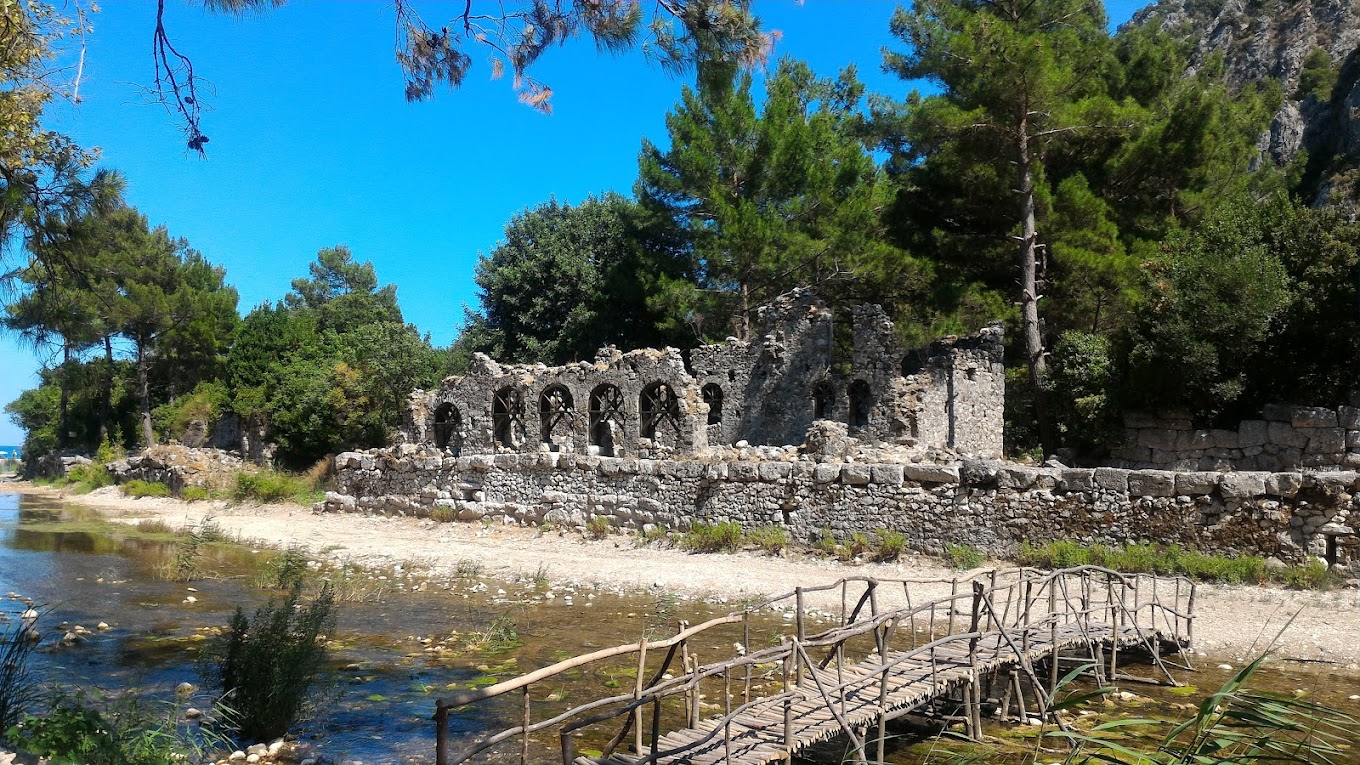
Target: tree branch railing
x,y
1007,611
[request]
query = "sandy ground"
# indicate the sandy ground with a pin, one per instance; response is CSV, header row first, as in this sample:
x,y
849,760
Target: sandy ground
x,y
1232,622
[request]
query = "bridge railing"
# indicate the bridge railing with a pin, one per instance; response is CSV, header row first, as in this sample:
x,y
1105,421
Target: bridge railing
x,y
1016,607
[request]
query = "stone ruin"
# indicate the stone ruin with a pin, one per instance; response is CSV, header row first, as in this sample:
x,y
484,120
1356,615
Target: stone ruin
x,y
768,391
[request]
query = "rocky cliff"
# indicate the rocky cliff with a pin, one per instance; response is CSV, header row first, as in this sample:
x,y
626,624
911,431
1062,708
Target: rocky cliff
x,y
1312,49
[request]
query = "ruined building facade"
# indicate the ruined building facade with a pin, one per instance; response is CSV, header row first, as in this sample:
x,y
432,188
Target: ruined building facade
x,y
766,391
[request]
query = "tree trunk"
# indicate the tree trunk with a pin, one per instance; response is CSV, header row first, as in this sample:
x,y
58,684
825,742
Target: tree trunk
x,y
106,391
1029,295
745,310
64,413
144,393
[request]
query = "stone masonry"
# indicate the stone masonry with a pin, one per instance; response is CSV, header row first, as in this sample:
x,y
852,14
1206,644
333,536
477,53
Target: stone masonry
x,y
765,391
992,505
1285,438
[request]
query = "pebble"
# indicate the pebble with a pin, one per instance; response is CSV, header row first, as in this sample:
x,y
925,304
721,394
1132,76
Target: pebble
x,y
252,758
1225,666
192,714
257,749
1354,697
237,756
184,689
102,626
191,599
275,747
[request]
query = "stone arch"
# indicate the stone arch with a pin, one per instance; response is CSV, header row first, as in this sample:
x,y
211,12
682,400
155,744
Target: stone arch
x,y
448,428
861,401
823,400
713,396
555,413
606,417
507,417
659,410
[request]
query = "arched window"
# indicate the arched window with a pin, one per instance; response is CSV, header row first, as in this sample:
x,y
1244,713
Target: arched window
x,y
606,417
658,408
554,412
448,427
823,400
507,417
861,400
714,398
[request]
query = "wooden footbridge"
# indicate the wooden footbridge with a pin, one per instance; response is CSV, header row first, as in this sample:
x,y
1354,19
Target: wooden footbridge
x,y
998,637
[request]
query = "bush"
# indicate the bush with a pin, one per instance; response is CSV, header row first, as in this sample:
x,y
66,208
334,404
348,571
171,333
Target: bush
x,y
772,539
194,494
87,478
826,543
269,486
203,405
725,536
127,734
266,666
139,488
964,557
891,545
858,544
598,527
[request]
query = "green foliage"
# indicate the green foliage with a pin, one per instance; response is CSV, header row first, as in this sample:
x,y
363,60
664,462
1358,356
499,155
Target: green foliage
x,y
267,666
500,635
599,527
125,732
199,409
1085,379
1318,76
1174,560
18,689
772,539
268,486
891,545
139,488
194,494
569,280
1232,725
87,478
724,536
285,571
826,543
183,563
70,734
855,546
771,198
963,557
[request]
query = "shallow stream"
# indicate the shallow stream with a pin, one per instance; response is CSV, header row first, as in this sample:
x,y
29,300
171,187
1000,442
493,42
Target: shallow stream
x,y
401,641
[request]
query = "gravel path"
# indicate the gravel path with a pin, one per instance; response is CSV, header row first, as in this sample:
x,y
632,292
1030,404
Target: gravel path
x,y
1233,621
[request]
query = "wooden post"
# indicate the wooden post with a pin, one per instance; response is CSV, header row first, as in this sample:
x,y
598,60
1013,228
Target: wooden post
x,y
441,733
973,691
524,745
727,714
953,593
1117,629
1190,619
788,708
746,650
798,626
694,692
1053,638
637,694
684,667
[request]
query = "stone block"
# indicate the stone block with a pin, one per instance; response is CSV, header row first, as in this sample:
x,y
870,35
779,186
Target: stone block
x,y
1338,480
1047,477
1312,417
1353,439
826,472
1326,441
1223,439
743,471
1285,434
1196,484
1112,479
1243,485
1284,484
1077,479
1152,483
888,475
1348,417
1016,477
1157,438
855,474
1193,440
610,465
979,472
773,471
1252,433
925,473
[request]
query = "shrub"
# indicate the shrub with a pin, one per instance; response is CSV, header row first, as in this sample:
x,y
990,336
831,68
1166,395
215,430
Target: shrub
x,y
139,488
194,494
1310,576
725,536
964,557
598,527
891,545
656,535
87,478
858,544
826,543
201,406
269,486
266,666
285,571
772,539
183,565
443,515
128,732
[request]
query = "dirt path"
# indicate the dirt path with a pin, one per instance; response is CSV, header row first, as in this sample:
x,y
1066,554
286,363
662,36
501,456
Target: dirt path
x,y
1232,621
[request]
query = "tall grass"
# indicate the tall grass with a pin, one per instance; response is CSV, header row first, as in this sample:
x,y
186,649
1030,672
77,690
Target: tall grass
x,y
18,690
1173,560
269,486
724,536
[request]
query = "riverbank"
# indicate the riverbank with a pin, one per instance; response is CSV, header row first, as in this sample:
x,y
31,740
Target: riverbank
x,y
1233,622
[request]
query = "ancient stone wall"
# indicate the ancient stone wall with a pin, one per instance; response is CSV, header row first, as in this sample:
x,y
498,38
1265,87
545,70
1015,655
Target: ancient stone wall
x,y
988,504
765,391
1285,438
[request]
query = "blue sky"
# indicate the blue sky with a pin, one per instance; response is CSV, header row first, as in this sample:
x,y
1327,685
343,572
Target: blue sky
x,y
313,145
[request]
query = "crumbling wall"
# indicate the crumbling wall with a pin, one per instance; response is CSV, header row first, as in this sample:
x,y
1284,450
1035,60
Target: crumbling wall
x,y
766,383
1285,438
641,403
991,505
